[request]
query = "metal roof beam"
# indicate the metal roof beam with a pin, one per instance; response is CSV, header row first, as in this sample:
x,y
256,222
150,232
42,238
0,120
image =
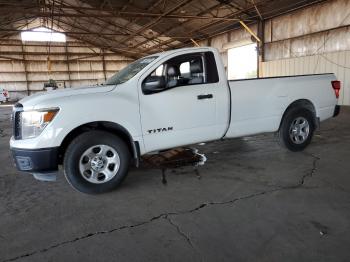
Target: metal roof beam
x,y
127,15
211,24
122,27
157,19
182,23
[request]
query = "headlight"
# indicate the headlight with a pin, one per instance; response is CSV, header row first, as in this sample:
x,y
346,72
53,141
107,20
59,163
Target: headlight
x,y
34,122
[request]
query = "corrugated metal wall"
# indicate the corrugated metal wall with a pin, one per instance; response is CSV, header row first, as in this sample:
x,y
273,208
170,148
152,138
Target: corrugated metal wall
x,y
320,28
310,41
335,62
24,66
307,41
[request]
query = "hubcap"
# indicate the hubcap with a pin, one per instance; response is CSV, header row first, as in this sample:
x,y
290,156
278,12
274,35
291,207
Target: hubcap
x,y
299,130
99,164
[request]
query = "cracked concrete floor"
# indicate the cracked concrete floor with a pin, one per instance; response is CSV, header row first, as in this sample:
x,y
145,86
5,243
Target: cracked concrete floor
x,y
251,201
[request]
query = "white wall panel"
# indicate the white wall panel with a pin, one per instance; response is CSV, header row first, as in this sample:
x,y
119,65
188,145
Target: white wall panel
x,y
8,77
36,86
45,76
115,65
26,73
14,86
10,48
85,82
83,50
336,62
11,66
87,76
47,49
219,41
327,15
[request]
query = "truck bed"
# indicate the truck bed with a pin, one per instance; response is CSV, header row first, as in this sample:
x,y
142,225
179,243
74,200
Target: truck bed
x,y
257,105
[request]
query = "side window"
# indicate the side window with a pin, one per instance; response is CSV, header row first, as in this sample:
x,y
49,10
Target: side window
x,y
184,70
159,70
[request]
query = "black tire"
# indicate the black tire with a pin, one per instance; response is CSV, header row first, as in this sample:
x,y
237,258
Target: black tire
x,y
75,151
286,135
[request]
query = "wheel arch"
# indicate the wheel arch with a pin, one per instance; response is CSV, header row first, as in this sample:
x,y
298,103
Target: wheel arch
x,y
301,103
110,127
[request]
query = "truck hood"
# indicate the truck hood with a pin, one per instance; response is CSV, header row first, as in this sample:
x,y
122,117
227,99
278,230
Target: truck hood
x,y
31,101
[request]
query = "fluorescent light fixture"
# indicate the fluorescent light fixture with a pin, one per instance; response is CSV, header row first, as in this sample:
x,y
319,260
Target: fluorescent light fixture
x,y
43,34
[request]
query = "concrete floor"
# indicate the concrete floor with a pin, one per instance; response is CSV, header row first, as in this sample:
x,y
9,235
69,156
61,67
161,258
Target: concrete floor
x,y
251,201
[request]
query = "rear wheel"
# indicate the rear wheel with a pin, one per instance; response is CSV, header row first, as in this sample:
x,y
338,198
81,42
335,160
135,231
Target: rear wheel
x,y
96,162
297,129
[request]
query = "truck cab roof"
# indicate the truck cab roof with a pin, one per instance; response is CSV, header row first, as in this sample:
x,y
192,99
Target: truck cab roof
x,y
184,50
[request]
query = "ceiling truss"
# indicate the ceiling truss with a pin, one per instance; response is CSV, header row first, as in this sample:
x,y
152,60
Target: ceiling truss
x,y
136,28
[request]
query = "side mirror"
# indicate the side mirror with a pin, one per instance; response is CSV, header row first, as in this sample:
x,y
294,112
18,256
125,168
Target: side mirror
x,y
153,84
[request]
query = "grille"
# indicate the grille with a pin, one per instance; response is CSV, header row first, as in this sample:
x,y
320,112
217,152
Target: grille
x,y
17,125
16,118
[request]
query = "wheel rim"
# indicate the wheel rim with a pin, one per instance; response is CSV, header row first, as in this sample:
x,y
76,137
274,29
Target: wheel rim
x,y
99,164
299,130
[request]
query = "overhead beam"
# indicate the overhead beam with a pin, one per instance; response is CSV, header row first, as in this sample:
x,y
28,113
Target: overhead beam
x,y
206,26
114,24
126,15
183,23
135,20
124,51
87,33
6,53
157,19
63,32
250,31
257,10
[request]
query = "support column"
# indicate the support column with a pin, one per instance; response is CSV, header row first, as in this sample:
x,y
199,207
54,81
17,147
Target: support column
x,y
68,67
25,68
104,64
261,47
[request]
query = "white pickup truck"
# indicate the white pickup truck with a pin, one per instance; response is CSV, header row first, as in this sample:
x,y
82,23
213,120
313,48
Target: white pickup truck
x,y
161,101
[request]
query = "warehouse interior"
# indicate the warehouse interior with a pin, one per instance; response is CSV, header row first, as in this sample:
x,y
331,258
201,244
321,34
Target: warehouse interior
x,y
296,37
249,201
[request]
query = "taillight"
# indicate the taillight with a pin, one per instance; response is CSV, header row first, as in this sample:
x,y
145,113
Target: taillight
x,y
336,86
6,94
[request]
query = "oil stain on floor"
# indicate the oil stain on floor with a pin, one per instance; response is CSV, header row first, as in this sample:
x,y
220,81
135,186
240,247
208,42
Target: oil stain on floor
x,y
174,158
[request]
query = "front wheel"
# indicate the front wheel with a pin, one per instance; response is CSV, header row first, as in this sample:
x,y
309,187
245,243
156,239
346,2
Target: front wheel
x,y
297,128
96,162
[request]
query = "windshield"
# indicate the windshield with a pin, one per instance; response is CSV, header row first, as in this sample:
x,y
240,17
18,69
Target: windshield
x,y
128,72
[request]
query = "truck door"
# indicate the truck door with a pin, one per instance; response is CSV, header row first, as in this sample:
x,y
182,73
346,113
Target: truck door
x,y
183,110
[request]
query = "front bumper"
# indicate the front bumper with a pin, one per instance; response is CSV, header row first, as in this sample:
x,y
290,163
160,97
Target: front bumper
x,y
43,160
336,110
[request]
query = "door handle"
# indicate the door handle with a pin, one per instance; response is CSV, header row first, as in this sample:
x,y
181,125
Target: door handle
x,y
207,96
